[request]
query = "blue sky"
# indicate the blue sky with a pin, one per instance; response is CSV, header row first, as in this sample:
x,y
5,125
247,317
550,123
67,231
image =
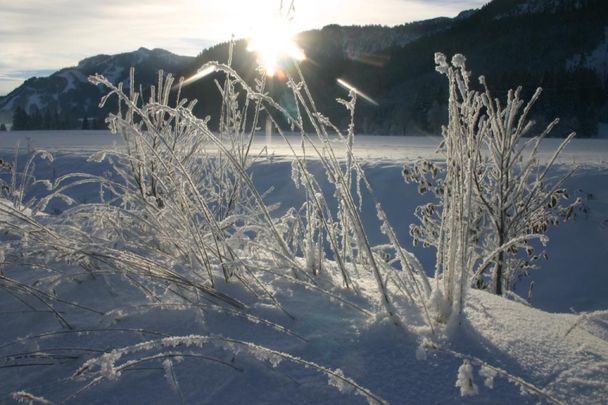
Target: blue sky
x,y
38,37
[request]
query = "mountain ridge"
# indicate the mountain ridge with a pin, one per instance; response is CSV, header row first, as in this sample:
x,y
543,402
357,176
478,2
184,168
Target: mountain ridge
x,y
68,92
561,45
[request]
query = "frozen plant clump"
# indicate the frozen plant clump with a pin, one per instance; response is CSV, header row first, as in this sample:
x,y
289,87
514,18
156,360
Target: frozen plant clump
x,y
106,365
458,60
464,381
488,375
180,220
495,196
338,381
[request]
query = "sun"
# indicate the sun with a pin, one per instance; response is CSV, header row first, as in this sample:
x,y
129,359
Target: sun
x,y
273,42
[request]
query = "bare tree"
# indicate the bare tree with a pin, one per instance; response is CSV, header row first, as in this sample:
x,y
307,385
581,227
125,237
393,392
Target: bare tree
x,y
515,189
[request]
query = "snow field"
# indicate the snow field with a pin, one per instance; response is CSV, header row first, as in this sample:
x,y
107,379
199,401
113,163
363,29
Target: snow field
x,y
370,350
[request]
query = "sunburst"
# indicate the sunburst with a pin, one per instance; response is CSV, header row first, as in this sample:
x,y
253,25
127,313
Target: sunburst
x,y
274,42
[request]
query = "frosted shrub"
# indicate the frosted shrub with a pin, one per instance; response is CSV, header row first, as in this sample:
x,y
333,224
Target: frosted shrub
x,y
518,197
14,183
188,196
315,225
451,227
495,194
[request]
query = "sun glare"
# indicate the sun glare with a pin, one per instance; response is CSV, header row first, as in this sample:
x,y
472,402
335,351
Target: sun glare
x,y
274,42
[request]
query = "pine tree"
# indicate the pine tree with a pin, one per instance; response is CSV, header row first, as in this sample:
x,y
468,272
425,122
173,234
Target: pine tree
x,y
36,119
47,120
56,121
21,120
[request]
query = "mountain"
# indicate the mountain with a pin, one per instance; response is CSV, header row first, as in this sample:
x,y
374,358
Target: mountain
x,y
373,38
531,43
560,45
532,7
68,92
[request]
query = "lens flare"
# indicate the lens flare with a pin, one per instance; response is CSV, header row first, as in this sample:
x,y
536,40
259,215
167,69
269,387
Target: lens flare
x,y
202,72
272,43
355,90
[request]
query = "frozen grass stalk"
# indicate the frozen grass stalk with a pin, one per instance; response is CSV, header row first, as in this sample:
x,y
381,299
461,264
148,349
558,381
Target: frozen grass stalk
x,y
180,217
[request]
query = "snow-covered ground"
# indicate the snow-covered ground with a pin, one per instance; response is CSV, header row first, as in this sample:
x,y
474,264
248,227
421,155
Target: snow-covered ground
x,y
541,342
369,148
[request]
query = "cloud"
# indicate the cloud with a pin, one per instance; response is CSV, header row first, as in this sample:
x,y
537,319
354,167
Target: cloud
x,y
10,79
460,4
20,74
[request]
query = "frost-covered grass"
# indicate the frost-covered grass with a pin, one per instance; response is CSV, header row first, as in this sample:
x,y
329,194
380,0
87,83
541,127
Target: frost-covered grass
x,y
187,255
185,225
531,344
366,349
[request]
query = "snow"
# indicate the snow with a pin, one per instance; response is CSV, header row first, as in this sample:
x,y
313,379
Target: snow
x,y
541,6
596,60
562,353
70,81
72,76
114,73
33,101
602,131
568,364
369,148
10,105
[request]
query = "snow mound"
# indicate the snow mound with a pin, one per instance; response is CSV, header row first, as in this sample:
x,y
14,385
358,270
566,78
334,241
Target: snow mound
x,y
570,363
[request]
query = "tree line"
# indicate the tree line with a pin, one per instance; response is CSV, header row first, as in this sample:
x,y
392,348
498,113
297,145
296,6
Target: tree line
x,y
52,119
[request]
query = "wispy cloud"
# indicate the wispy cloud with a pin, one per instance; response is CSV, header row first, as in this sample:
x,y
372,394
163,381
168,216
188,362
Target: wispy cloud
x,y
20,74
10,79
42,35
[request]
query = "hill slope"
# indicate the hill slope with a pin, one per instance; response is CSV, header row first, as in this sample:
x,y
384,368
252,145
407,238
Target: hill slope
x,y
68,92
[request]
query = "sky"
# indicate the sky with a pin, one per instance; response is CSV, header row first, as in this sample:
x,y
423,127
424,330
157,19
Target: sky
x,y
38,37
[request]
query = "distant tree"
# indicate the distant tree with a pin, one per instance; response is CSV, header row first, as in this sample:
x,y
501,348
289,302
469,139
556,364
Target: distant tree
x,y
99,123
436,115
56,122
85,123
47,120
2,127
68,121
21,120
36,119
